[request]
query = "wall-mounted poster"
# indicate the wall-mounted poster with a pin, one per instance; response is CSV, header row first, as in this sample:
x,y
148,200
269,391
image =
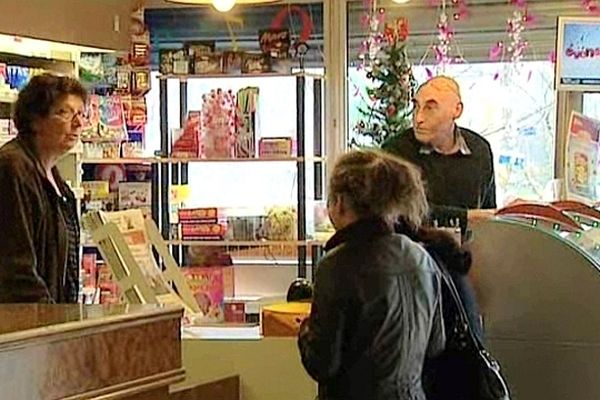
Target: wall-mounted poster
x,y
582,157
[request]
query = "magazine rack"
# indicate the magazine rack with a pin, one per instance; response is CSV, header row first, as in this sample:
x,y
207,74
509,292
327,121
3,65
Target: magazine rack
x,y
129,256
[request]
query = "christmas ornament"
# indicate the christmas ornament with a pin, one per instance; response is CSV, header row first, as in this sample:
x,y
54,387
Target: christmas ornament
x,y
445,35
371,20
516,47
591,6
391,97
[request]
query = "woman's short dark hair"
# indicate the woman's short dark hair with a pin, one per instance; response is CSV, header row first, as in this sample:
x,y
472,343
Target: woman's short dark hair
x,y
39,95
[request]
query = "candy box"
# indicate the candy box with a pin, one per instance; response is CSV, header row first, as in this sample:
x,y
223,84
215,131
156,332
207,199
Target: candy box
x,y
275,147
209,286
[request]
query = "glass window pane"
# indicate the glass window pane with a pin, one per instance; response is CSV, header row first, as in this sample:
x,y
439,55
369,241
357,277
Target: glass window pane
x,y
512,105
591,105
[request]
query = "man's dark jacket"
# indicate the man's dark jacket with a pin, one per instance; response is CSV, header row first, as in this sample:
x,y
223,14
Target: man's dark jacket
x,y
456,182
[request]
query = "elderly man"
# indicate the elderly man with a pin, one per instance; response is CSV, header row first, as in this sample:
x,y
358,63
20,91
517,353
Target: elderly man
x,y
456,163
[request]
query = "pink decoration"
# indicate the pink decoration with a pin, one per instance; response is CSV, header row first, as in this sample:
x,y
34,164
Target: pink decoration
x,y
462,12
443,47
371,20
218,124
364,21
552,57
591,6
496,51
529,19
429,73
461,8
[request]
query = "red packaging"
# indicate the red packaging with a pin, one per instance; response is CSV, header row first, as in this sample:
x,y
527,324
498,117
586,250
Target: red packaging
x,y
209,215
235,312
188,144
90,270
203,231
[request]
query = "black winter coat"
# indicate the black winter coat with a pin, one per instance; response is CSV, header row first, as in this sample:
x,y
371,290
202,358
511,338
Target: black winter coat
x,y
376,315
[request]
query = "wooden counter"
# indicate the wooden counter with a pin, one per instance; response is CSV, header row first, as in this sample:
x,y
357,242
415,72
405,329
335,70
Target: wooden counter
x,y
84,352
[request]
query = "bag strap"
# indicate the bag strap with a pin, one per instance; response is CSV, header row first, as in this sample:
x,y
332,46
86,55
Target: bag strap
x,y
462,313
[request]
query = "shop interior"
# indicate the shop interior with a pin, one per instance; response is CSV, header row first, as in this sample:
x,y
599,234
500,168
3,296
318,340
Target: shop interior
x,y
201,181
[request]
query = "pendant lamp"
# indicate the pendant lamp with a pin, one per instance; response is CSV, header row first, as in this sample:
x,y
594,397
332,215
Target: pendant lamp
x,y
222,5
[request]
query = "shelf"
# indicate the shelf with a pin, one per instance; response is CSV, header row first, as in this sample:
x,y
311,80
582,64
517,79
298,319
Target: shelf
x,y
235,243
171,160
146,160
261,262
255,159
239,76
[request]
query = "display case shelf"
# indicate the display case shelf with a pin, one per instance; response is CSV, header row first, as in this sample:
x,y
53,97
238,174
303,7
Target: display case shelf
x,y
175,160
242,243
186,77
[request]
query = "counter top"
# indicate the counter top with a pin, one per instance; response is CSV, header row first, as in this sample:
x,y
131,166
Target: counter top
x,y
20,322
78,352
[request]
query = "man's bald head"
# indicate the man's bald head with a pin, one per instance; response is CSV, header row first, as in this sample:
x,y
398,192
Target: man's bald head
x,y
444,85
437,105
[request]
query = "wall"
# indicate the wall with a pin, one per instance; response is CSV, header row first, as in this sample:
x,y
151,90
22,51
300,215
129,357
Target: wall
x,y
82,22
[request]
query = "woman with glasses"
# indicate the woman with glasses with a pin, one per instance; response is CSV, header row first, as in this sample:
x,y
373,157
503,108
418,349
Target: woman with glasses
x,y
376,311
39,240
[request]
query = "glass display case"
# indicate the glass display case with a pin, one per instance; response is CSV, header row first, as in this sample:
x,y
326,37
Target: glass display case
x,y
537,275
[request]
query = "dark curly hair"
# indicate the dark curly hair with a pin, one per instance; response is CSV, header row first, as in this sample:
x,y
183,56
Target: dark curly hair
x,y
39,95
374,183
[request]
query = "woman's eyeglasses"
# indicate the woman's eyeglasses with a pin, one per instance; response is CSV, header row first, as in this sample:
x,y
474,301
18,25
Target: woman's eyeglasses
x,y
69,115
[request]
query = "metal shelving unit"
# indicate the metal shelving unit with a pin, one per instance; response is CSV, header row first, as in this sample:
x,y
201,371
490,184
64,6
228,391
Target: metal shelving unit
x,y
169,171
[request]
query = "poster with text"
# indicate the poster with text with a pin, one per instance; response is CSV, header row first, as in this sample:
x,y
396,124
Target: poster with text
x,y
582,158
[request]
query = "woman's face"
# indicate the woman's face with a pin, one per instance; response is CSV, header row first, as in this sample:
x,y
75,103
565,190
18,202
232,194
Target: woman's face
x,y
333,210
339,214
60,130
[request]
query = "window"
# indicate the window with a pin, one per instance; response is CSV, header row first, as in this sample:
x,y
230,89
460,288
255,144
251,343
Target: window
x,y
513,108
518,119
591,105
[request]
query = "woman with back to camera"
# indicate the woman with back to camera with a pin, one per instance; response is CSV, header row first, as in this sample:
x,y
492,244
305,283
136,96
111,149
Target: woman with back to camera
x,y
39,259
376,311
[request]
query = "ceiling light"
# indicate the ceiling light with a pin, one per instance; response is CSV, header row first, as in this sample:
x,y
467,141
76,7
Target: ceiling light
x,y
401,1
222,5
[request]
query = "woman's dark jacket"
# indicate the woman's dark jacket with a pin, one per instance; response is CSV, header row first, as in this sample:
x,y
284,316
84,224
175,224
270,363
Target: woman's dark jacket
x,y
375,316
34,237
457,262
443,378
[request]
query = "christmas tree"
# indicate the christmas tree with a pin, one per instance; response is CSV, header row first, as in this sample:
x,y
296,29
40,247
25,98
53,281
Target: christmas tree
x,y
394,86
